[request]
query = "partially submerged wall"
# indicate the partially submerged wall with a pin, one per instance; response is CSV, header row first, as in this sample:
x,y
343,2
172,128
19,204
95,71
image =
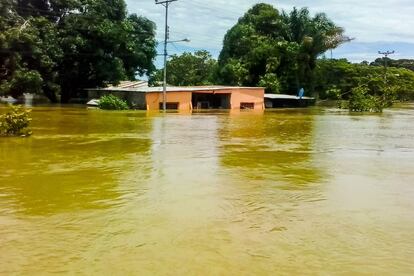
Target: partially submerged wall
x,y
156,98
253,96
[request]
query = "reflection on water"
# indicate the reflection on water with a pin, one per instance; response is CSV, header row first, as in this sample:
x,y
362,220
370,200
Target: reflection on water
x,y
287,191
71,163
272,147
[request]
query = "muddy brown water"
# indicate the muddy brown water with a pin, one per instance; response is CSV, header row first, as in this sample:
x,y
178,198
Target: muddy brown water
x,y
301,191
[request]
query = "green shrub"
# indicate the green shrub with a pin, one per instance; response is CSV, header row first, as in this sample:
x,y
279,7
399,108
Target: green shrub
x,y
342,104
361,100
15,122
333,93
271,82
111,102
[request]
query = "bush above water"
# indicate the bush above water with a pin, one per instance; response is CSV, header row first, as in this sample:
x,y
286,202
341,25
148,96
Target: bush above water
x,y
367,99
111,102
15,122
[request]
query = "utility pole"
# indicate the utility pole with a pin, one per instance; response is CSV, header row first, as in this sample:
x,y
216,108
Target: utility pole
x,y
386,54
165,3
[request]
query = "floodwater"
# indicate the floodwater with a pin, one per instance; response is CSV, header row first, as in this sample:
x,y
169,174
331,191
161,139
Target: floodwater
x,y
303,191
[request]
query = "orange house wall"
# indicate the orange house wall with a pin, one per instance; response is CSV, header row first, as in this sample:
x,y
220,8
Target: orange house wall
x,y
255,96
183,98
238,96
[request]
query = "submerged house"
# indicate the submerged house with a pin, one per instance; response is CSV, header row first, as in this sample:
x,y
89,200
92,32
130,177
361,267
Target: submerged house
x,y
187,98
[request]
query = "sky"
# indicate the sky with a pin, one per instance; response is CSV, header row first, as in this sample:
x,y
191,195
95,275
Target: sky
x,y
376,25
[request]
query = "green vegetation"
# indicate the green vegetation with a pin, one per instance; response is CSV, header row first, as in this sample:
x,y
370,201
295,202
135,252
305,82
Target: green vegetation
x,y
398,63
361,99
276,49
336,78
58,48
363,85
15,122
111,102
188,69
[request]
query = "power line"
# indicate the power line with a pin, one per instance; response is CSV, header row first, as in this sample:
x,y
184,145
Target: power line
x,y
232,10
112,54
387,53
200,37
50,12
231,14
59,27
64,12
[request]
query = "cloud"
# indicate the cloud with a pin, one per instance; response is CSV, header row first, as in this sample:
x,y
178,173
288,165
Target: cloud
x,y
206,22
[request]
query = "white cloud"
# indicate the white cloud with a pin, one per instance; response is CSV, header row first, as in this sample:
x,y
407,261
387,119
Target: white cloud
x,y
206,22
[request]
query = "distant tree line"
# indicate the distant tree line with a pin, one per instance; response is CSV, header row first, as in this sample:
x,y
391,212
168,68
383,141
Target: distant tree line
x,y
58,47
398,63
337,78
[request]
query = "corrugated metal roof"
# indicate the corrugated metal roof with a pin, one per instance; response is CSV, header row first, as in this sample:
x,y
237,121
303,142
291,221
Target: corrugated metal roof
x,y
177,88
285,97
128,84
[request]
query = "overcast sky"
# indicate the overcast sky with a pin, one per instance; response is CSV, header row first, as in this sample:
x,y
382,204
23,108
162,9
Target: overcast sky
x,y
376,24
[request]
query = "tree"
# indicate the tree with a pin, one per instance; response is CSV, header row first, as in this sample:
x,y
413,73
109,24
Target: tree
x,y
70,45
29,53
251,48
314,35
399,63
188,69
275,47
103,45
363,84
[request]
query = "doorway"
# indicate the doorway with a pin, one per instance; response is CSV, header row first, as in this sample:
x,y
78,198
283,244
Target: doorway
x,y
211,101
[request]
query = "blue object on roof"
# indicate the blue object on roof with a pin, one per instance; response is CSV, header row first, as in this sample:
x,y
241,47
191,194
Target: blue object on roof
x,y
301,93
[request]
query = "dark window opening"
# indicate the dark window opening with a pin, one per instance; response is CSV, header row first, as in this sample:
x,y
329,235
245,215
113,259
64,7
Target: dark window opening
x,y
210,101
170,106
246,105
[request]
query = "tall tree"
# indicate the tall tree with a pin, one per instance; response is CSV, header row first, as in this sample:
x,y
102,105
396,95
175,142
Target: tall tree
x,y
68,45
103,45
314,35
276,50
29,53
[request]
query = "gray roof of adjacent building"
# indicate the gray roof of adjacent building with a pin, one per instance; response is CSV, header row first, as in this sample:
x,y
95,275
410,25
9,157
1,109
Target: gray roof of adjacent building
x,y
285,97
124,85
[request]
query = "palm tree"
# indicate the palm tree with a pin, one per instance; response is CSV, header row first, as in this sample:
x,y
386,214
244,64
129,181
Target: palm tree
x,y
315,35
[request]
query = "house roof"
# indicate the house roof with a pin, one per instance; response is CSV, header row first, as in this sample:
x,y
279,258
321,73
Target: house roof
x,y
285,97
158,89
127,84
